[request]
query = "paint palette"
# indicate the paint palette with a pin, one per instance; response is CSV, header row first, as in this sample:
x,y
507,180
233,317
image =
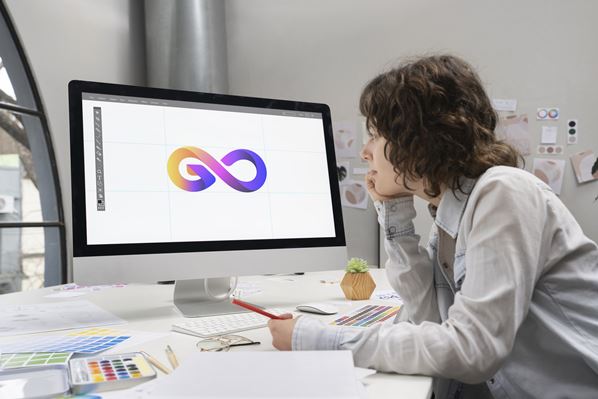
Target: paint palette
x,y
104,373
367,316
16,360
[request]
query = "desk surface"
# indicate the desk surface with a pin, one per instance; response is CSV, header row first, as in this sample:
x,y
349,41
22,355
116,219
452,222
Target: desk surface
x,y
149,308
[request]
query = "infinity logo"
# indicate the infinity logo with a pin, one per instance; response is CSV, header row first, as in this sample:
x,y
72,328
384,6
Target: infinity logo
x,y
206,179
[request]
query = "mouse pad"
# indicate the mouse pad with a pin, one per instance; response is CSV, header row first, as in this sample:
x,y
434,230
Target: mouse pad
x,y
367,316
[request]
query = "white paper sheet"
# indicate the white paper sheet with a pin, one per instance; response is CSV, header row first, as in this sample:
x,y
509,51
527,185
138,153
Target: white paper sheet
x,y
302,374
585,165
387,295
345,139
246,290
41,317
360,171
65,294
507,104
354,194
514,130
549,134
551,172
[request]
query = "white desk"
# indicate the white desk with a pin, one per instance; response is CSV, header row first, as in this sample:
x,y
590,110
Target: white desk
x,y
150,308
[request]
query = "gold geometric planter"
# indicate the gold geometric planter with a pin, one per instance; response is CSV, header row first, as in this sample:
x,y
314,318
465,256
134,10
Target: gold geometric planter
x,y
358,286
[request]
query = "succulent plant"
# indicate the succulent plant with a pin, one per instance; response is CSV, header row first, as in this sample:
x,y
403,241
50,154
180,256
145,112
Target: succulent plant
x,y
357,265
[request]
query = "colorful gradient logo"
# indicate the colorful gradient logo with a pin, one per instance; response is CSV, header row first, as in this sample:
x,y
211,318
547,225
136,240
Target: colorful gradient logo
x,y
206,179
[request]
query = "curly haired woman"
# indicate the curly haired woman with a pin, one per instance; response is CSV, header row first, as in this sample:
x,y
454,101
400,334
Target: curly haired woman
x,y
503,300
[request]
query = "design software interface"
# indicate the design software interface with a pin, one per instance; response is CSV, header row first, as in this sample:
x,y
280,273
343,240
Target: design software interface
x,y
175,171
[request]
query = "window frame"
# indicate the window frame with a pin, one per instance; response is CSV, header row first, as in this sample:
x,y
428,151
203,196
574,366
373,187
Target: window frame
x,y
50,277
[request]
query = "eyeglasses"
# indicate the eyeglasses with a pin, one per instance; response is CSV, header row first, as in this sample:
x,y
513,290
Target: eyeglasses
x,y
223,343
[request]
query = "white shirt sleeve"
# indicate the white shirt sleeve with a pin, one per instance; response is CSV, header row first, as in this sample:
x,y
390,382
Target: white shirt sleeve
x,y
504,235
409,268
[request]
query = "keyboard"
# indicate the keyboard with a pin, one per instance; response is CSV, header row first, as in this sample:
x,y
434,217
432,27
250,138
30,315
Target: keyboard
x,y
211,326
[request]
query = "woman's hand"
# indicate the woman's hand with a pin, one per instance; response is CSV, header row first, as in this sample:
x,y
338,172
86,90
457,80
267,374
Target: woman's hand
x,y
282,332
370,184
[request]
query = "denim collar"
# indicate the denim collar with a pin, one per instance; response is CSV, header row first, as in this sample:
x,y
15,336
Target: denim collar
x,y
451,207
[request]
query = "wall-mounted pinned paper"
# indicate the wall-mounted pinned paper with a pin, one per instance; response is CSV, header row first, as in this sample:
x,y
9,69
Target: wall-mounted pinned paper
x,y
549,134
345,139
550,149
585,165
547,114
501,104
342,169
572,131
354,194
360,171
551,172
514,130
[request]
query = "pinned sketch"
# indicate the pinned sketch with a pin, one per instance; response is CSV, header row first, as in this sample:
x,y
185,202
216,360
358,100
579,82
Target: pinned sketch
x,y
500,104
551,172
342,170
354,194
549,134
514,130
346,144
585,165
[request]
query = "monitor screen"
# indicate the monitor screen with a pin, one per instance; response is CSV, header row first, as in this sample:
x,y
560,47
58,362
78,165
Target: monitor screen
x,y
178,171
158,171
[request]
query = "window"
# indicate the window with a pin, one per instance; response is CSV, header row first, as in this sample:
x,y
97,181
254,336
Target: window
x,y
32,233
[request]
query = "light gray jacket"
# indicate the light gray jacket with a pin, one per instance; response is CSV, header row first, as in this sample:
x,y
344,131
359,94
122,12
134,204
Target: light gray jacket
x,y
525,316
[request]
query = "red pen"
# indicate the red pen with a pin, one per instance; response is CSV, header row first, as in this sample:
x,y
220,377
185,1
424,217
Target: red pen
x,y
255,308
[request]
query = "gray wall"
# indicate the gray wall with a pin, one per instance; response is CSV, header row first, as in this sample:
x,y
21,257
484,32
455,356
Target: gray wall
x,y
541,52
78,39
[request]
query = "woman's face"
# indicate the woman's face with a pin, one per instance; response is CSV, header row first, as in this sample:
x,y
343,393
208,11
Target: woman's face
x,y
386,181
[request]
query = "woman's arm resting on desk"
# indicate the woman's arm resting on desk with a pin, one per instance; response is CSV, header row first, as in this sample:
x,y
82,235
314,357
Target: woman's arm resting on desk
x,y
502,266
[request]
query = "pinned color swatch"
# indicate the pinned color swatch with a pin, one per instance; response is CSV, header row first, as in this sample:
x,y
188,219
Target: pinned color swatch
x,y
15,360
367,316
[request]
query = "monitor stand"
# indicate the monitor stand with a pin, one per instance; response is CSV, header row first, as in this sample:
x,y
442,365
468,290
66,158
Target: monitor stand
x,y
205,297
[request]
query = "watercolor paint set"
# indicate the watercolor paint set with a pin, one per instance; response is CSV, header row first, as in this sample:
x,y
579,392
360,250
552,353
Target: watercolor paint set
x,y
104,373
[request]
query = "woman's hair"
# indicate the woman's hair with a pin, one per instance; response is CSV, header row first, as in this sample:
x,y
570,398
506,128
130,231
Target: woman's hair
x,y
438,122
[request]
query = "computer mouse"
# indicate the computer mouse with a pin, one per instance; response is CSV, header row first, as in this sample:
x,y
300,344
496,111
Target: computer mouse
x,y
319,308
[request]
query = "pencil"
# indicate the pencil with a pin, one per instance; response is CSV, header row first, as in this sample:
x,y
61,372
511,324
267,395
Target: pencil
x,y
156,363
255,308
171,357
246,343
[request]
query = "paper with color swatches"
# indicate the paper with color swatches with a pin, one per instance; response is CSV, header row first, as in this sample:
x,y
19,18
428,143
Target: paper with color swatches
x,y
88,341
367,316
16,360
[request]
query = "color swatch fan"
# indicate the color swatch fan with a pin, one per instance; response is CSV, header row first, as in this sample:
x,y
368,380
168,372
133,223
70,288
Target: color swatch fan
x,y
367,316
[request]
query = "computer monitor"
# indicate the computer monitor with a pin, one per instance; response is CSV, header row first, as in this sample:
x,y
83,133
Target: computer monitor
x,y
178,185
